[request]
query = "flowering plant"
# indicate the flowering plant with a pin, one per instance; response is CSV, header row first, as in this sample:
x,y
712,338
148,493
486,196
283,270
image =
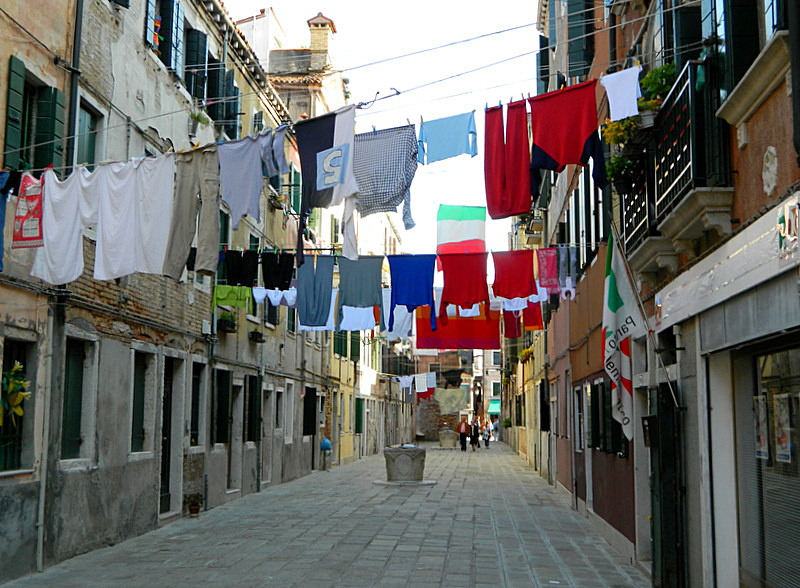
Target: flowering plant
x,y
13,392
525,354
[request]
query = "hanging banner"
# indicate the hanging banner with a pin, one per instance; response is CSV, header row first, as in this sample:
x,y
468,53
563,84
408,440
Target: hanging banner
x,y
28,214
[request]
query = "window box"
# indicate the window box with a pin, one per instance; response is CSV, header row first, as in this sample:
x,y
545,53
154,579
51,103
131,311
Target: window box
x,y
256,336
226,325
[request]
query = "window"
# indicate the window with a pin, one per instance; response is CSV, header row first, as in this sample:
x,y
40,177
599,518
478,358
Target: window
x,y
340,343
143,379
291,319
35,117
221,414
495,388
72,421
258,122
279,418
774,16
577,413
496,358
12,430
87,137
580,37
271,313
355,345
252,424
164,32
605,433
215,89
198,373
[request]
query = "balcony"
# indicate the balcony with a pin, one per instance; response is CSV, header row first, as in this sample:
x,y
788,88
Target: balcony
x,y
681,193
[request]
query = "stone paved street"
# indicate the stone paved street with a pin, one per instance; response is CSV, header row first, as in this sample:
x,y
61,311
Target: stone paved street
x,y
489,521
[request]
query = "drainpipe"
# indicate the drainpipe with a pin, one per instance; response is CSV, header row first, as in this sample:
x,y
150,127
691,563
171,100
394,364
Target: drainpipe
x,y
793,16
75,74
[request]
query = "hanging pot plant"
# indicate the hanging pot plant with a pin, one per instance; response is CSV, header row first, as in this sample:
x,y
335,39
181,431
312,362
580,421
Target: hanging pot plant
x,y
619,170
619,132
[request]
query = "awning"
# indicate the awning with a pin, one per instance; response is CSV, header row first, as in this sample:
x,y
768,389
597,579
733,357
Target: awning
x,y
494,406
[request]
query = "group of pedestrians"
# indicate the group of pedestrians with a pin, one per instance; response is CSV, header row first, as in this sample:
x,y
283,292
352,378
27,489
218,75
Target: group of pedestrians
x,y
474,432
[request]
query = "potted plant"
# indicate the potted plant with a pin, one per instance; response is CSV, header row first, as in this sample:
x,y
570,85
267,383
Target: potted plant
x,y
226,322
196,118
506,423
256,336
193,502
619,170
525,354
13,392
619,132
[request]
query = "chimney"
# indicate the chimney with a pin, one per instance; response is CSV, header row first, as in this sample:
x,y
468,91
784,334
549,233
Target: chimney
x,y
322,30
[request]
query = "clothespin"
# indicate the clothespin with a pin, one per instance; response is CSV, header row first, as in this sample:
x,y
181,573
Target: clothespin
x,y
374,130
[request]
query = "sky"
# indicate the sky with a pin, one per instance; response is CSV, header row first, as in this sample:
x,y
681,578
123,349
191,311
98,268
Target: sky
x,y
374,31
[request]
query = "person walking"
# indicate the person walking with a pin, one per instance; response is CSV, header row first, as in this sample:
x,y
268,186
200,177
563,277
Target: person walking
x,y
463,430
475,434
487,434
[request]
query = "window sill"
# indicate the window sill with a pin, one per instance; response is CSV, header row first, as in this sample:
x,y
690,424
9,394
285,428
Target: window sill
x,y
140,456
79,464
16,473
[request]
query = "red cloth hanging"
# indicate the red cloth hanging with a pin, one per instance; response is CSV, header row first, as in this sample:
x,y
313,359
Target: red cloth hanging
x,y
507,161
564,131
547,259
532,317
512,328
513,274
480,332
464,281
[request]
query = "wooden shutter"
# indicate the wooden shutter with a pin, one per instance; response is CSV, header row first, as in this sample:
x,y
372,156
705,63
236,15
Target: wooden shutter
x,y
137,421
171,45
233,100
359,415
14,118
73,400
50,113
355,345
216,89
196,55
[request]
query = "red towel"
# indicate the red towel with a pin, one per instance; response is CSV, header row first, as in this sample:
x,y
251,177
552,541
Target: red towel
x,y
513,274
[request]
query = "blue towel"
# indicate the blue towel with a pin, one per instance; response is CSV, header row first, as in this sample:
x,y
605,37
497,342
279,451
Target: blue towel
x,y
447,137
412,283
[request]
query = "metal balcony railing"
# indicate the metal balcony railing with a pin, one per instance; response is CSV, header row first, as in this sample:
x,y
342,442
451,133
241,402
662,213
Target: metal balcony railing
x,y
690,141
638,212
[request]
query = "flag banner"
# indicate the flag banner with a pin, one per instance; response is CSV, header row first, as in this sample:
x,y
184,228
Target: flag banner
x,y
460,229
622,320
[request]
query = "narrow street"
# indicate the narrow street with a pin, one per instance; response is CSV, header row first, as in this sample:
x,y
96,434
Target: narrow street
x,y
489,520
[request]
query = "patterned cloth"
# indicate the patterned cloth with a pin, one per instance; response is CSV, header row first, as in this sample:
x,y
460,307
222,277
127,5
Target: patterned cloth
x,y
384,163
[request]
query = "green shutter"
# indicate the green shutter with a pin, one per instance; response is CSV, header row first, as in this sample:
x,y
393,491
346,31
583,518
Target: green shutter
x,y
359,415
355,345
50,113
171,45
340,343
195,72
14,118
233,99
73,400
216,89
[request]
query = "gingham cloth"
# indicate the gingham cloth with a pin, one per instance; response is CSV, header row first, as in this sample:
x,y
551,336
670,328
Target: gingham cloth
x,y
384,163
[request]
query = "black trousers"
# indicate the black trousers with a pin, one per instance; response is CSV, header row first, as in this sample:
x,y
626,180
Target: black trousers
x,y
463,438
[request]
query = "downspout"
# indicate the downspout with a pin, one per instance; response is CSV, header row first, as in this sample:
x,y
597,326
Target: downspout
x,y
793,16
75,74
